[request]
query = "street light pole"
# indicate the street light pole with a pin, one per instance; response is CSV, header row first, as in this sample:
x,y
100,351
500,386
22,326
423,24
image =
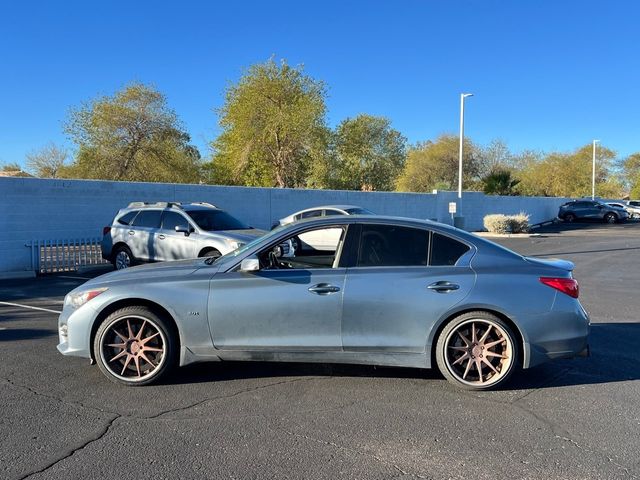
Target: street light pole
x,y
593,172
462,97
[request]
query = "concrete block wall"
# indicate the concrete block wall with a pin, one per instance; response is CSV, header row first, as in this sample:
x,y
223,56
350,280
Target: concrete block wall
x,y
47,209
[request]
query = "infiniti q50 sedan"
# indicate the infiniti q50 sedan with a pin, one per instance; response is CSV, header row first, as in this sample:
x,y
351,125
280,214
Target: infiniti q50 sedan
x,y
390,291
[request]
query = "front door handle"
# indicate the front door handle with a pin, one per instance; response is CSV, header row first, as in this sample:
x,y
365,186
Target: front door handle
x,y
324,289
443,286
161,237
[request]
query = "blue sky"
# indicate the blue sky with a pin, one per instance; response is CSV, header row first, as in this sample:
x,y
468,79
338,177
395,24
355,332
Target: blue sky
x,y
547,75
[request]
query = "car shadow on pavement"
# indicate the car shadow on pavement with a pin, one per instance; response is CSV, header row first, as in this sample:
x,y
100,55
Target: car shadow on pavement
x,y
13,334
614,357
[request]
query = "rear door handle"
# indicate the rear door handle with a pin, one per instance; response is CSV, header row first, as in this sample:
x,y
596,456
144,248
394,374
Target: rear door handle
x,y
161,237
132,232
324,289
443,286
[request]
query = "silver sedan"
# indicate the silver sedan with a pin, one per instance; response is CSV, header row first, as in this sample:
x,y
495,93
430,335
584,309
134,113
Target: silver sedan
x,y
390,291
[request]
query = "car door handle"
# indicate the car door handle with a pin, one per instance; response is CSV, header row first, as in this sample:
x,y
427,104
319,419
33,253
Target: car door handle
x,y
443,286
324,289
132,232
161,237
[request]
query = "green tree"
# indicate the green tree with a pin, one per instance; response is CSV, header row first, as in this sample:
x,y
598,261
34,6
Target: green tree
x,y
432,165
495,156
273,128
569,174
12,170
369,154
132,136
500,182
47,162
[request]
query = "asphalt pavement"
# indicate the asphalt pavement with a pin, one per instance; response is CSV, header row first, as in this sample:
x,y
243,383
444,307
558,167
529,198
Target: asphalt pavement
x,y
570,419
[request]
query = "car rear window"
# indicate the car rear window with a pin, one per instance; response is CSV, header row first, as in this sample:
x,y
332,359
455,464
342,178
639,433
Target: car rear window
x,y
389,245
148,218
127,218
445,250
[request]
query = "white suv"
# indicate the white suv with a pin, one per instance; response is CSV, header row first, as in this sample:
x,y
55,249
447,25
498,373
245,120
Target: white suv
x,y
151,232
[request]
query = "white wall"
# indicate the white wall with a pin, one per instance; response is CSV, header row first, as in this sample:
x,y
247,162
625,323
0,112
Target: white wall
x,y
44,209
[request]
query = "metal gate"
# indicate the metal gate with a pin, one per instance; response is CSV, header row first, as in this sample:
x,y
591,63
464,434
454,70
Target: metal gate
x,y
49,256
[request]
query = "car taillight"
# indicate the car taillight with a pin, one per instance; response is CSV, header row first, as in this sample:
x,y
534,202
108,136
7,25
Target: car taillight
x,y
105,230
568,286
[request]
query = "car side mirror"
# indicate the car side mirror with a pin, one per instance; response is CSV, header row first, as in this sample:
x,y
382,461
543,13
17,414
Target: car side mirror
x,y
251,264
186,229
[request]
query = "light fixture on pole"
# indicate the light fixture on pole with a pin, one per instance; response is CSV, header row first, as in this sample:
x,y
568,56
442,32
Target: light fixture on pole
x,y
462,97
593,172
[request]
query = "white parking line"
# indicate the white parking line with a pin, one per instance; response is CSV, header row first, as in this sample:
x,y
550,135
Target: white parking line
x,y
29,307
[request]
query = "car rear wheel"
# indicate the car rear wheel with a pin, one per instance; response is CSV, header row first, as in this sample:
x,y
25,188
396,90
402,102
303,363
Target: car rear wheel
x,y
477,351
123,258
135,346
611,218
569,218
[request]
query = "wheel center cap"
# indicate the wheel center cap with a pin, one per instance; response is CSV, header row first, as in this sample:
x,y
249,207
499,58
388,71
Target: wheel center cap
x,y
134,347
476,350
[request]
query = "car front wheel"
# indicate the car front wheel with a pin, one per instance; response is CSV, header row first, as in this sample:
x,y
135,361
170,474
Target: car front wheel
x,y
477,351
569,218
134,346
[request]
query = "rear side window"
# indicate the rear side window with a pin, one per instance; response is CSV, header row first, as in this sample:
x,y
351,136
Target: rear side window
x,y
171,220
127,218
148,218
312,213
392,246
445,250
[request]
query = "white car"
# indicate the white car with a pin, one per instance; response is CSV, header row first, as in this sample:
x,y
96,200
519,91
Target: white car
x,y
321,240
632,207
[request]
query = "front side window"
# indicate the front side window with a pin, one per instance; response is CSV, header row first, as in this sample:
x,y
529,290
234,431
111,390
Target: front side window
x,y
311,214
148,218
316,248
446,251
359,211
332,212
392,246
171,220
216,220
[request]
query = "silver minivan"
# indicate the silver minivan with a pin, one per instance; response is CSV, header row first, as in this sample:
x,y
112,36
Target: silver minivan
x,y
151,232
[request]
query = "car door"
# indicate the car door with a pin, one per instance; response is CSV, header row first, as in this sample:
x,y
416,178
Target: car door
x,y
172,245
290,309
394,292
141,234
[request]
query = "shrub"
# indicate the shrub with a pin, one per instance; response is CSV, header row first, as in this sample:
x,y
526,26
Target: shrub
x,y
498,223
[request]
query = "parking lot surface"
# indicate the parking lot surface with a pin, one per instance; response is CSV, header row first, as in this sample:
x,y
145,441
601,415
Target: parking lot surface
x,y
579,418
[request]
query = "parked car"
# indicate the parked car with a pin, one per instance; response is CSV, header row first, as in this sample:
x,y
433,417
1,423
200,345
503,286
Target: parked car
x,y
321,240
632,211
151,232
591,210
633,207
391,291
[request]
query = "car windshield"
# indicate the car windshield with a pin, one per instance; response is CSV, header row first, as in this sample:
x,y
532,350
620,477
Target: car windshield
x,y
214,220
247,246
359,211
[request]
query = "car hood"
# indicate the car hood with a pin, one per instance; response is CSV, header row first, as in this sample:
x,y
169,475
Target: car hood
x,y
164,270
552,262
244,236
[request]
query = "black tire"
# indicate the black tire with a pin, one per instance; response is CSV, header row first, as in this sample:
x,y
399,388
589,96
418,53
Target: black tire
x,y
569,218
610,218
452,348
212,252
122,258
155,357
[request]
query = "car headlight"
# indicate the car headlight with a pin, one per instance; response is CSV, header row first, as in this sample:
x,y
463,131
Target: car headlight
x,y
234,245
77,299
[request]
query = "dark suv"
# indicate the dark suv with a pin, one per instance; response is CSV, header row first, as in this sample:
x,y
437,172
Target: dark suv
x,y
591,210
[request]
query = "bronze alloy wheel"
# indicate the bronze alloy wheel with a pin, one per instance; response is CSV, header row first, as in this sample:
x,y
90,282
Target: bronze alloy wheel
x,y
477,351
133,346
